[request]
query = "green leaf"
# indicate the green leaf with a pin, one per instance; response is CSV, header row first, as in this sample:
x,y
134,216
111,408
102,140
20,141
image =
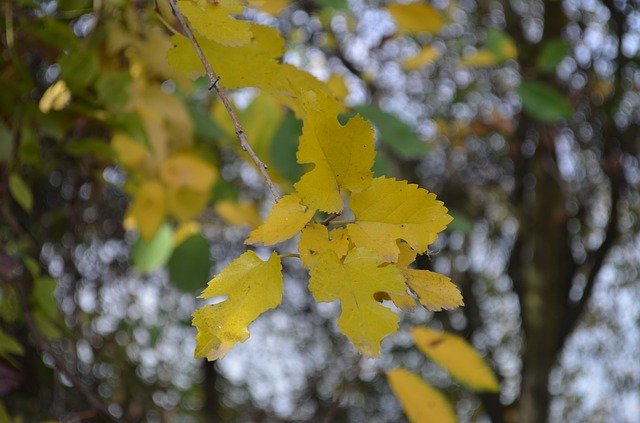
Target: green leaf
x,y
393,132
284,146
94,147
543,102
6,144
500,44
553,52
79,69
382,166
333,4
9,345
42,296
29,152
21,192
114,88
461,222
205,127
152,255
190,264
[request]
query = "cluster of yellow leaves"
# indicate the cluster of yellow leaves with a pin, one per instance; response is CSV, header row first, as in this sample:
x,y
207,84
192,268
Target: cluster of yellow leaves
x,y
421,401
359,263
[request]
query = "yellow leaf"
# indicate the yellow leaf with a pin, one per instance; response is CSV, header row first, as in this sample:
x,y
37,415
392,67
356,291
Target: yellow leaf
x,y
390,210
338,86
251,287
342,155
435,291
213,20
421,402
272,7
417,18
188,171
147,210
427,55
131,153
355,281
481,58
407,255
316,239
185,203
56,97
288,216
243,213
456,356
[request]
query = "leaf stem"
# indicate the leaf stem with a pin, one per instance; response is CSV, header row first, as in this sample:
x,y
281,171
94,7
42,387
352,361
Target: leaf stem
x,y
341,222
290,255
214,80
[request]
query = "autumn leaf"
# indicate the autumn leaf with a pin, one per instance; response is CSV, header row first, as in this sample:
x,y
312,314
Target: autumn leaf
x,y
243,213
390,210
355,281
417,18
342,157
456,356
434,291
427,55
316,238
421,402
213,20
147,211
251,287
286,219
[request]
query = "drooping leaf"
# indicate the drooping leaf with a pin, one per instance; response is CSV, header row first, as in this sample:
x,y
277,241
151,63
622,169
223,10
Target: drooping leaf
x,y
190,264
390,210
553,52
342,157
286,219
417,18
151,255
20,192
421,402
355,281
316,238
251,287
543,102
456,356
9,345
400,138
434,291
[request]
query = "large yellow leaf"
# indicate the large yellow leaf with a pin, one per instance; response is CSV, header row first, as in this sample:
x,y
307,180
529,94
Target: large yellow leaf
x,y
390,210
459,358
147,211
251,287
213,20
273,7
421,402
435,291
355,281
316,238
342,156
417,18
286,219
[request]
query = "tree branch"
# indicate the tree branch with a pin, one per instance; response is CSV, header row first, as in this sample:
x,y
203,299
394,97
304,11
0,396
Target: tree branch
x,y
213,81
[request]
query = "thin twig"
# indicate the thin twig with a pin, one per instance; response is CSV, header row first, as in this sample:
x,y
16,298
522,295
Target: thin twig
x,y
329,218
290,255
214,80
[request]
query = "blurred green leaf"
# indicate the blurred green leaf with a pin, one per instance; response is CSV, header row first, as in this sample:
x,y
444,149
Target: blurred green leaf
x,y
284,147
152,255
501,44
21,192
42,296
114,88
393,132
382,166
29,152
333,4
461,222
190,264
543,102
79,69
553,52
6,144
94,147
9,345
206,128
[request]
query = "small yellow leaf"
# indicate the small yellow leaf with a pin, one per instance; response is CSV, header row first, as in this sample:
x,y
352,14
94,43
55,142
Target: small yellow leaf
x,y
417,18
251,287
435,291
427,55
243,213
147,211
56,97
421,402
481,58
316,238
390,210
185,203
456,356
213,20
286,219
132,154
188,171
342,155
355,281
